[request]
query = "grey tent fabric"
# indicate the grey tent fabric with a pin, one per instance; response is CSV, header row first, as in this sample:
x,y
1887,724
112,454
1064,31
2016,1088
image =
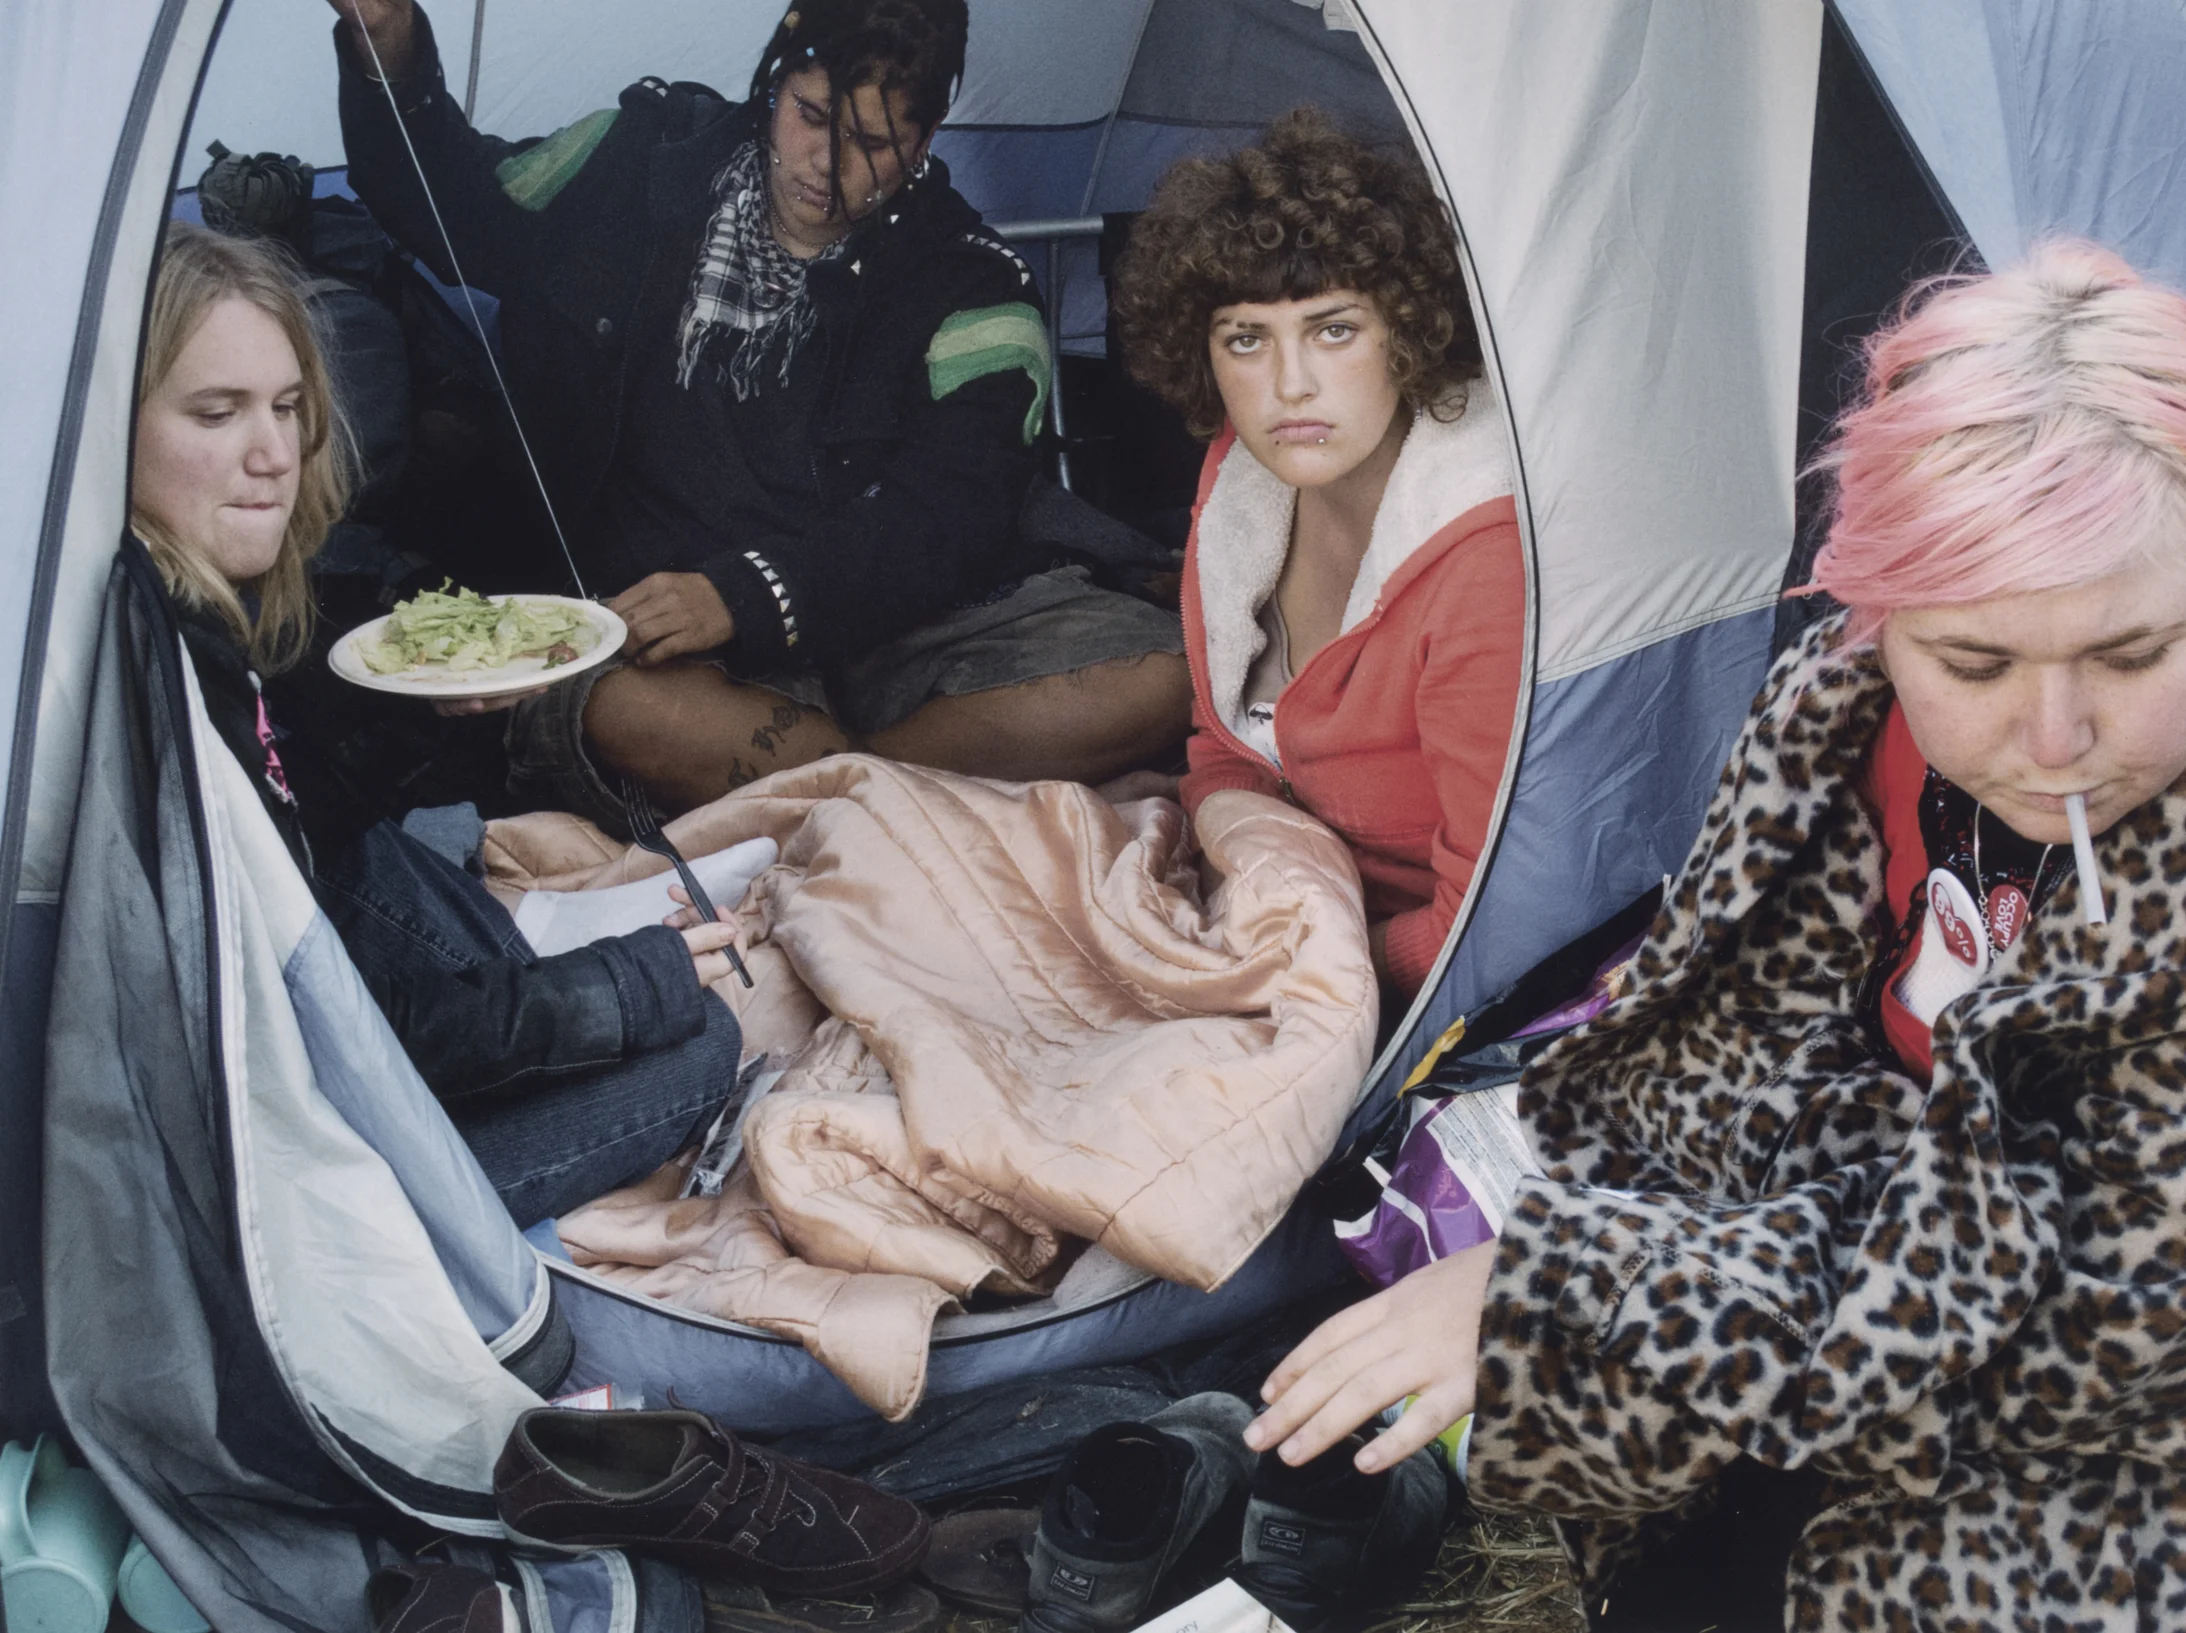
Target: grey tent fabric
x,y
250,1460
170,1390
1241,63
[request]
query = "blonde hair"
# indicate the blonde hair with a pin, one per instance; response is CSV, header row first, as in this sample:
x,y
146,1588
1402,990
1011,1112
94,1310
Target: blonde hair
x,y
197,271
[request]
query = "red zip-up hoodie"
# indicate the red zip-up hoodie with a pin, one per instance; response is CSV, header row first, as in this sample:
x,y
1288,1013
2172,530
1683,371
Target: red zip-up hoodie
x,y
1397,732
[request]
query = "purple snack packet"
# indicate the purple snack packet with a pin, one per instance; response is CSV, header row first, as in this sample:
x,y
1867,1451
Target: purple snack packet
x,y
1600,993
1426,1211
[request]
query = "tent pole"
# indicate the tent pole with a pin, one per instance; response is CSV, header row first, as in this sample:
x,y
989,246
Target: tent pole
x,y
1052,233
1055,253
1055,360
478,46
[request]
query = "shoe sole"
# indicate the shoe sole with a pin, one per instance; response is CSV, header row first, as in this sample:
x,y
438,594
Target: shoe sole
x,y
890,1578
961,1567
907,1608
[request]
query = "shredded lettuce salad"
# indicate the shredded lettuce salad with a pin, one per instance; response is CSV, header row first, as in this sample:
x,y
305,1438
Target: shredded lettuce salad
x,y
465,630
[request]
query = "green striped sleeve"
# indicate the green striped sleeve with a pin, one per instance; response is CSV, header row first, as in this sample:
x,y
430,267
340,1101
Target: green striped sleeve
x,y
991,340
533,177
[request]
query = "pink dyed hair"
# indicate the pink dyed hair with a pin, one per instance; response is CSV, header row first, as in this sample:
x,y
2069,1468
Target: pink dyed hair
x,y
2019,431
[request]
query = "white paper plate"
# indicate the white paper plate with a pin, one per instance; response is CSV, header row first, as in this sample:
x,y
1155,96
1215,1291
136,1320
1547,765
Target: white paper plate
x,y
522,675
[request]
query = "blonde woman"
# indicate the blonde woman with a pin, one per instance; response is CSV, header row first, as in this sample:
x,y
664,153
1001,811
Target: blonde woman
x,y
568,1075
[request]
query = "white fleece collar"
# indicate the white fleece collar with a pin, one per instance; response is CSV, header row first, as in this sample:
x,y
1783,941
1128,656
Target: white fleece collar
x,y
1444,469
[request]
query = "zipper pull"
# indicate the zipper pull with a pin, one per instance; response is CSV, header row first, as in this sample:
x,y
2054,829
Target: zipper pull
x,y
1289,794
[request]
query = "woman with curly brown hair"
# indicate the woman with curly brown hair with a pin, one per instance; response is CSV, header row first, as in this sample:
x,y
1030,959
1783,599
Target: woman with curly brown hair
x,y
1354,590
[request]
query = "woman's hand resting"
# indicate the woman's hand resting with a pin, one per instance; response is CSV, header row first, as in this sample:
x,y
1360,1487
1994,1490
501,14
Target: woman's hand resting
x,y
707,940
1420,1337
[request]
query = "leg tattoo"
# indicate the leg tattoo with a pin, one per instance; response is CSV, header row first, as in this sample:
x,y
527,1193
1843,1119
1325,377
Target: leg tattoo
x,y
785,717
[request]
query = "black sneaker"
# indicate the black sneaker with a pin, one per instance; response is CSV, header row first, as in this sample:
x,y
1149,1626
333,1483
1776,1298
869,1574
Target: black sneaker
x,y
1123,1509
431,1596
1325,1545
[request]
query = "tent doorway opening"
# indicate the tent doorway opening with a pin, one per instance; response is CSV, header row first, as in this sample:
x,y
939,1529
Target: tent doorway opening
x,y
1059,137
1632,188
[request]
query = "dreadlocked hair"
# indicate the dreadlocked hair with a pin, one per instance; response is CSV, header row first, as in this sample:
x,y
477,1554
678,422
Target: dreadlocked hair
x,y
913,46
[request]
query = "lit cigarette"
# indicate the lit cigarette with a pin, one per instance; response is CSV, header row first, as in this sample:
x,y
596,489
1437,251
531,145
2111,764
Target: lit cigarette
x,y
2083,854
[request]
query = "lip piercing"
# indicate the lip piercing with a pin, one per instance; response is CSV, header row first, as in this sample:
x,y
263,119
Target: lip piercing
x,y
1320,442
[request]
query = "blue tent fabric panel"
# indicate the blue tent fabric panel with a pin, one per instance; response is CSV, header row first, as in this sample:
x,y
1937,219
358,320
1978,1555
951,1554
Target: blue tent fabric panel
x,y
770,1386
1245,62
1208,77
2041,118
1620,762
1020,172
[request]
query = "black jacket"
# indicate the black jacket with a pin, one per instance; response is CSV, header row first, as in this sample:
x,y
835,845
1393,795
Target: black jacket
x,y
502,1025
919,493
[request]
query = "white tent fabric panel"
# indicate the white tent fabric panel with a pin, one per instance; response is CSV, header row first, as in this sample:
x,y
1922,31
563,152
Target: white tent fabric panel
x,y
270,85
97,494
70,73
2038,117
542,63
1638,239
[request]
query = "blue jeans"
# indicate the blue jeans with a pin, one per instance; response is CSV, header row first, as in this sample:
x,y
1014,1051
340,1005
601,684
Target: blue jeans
x,y
399,905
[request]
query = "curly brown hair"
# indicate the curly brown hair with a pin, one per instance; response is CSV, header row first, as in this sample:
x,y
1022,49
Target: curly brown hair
x,y
1308,210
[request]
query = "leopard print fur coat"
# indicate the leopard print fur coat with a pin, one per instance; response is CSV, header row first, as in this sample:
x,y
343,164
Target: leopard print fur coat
x,y
1963,1303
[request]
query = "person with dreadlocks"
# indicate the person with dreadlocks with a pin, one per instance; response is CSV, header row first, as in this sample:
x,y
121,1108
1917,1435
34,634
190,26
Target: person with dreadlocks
x,y
781,387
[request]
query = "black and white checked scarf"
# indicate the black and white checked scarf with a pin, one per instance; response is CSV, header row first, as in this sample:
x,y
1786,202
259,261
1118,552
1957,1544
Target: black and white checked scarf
x,y
746,281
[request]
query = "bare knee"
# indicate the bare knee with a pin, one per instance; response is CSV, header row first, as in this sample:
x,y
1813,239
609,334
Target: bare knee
x,y
1085,725
629,720
1155,694
1133,708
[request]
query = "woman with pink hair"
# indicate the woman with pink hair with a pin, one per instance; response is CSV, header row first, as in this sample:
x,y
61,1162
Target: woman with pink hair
x,y
1858,1248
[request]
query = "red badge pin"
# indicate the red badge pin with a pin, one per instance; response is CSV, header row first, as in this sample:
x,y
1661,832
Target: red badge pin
x,y
2007,913
1957,934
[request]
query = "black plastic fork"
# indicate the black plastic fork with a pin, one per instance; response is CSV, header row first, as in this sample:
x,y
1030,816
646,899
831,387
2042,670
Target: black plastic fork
x,y
645,829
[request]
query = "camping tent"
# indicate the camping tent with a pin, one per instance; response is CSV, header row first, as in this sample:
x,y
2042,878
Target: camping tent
x,y
1675,212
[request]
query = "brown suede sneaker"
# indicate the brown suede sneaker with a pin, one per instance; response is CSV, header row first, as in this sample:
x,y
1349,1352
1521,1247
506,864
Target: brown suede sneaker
x,y
678,1486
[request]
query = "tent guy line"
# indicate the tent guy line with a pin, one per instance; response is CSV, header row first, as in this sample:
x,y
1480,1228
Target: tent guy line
x,y
478,323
